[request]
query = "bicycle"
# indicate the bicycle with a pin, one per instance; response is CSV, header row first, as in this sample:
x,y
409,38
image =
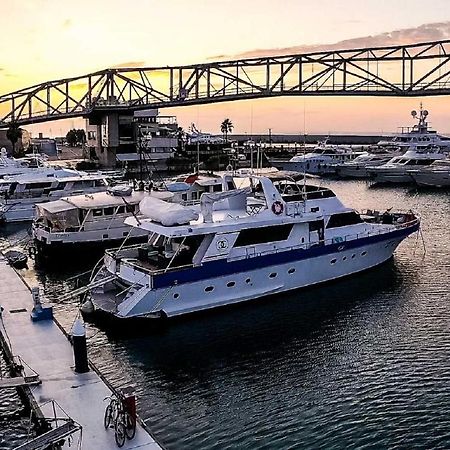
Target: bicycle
x,y
124,423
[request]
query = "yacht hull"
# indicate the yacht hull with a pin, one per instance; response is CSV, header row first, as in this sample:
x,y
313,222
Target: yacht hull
x,y
437,179
228,283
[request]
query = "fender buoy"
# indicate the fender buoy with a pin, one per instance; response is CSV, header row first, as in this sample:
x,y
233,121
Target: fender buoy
x,y
277,207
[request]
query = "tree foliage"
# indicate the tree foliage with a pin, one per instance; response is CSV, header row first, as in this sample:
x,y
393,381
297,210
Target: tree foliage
x,y
76,137
13,134
226,127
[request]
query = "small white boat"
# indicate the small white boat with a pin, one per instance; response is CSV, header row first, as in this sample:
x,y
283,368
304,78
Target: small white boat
x,y
396,170
242,244
21,193
435,175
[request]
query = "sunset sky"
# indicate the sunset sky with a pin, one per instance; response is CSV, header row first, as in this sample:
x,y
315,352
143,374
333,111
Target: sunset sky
x,y
51,39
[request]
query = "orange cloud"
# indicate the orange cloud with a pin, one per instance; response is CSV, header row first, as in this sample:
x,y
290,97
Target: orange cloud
x,y
126,65
423,33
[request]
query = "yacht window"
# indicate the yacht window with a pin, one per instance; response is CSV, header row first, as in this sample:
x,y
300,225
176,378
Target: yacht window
x,y
343,219
184,197
230,185
121,209
217,188
424,162
109,211
60,186
99,183
263,235
38,185
129,208
97,212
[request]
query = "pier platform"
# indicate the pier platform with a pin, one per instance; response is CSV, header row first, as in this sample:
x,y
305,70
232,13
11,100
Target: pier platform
x,y
44,347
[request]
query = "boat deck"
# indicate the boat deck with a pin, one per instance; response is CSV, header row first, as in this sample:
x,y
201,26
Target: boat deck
x,y
44,347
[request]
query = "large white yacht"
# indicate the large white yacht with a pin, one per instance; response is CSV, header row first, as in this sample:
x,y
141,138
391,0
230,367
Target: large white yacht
x,y
419,136
271,237
396,169
21,193
321,160
434,175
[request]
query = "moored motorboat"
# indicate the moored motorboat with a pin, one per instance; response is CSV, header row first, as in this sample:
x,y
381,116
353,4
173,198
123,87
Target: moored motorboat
x,y
271,237
21,193
435,175
357,168
321,160
396,170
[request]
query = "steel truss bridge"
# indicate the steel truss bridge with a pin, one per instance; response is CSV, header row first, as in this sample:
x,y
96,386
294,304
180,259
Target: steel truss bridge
x,y
421,69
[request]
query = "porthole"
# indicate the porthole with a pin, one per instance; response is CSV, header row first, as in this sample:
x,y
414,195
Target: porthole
x,y
333,261
291,271
209,288
353,256
231,284
273,275
303,240
364,253
248,280
344,258
124,233
176,295
105,236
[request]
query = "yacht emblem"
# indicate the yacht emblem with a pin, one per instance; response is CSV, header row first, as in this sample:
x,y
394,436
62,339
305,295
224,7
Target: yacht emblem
x,y
222,244
277,207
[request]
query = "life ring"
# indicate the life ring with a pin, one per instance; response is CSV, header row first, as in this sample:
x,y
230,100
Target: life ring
x,y
229,168
277,208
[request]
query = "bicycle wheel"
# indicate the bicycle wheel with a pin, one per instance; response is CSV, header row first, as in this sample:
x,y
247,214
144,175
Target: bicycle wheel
x,y
108,416
120,434
130,425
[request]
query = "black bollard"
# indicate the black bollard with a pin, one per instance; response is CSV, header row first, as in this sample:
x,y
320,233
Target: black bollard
x,y
79,347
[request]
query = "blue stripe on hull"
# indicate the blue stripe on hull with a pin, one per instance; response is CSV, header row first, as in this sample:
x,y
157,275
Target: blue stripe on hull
x,y
222,267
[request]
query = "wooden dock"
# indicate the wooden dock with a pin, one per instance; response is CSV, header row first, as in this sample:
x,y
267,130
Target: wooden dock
x,y
44,347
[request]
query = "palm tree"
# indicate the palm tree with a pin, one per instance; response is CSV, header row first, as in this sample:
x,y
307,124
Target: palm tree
x,y
14,133
226,127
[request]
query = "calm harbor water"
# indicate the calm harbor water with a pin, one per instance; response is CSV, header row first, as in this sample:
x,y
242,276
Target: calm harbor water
x,y
360,363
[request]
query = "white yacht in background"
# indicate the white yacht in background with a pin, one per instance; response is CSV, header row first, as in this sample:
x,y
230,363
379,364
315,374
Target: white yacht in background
x,y
243,244
435,175
321,160
419,136
396,169
357,168
17,166
19,194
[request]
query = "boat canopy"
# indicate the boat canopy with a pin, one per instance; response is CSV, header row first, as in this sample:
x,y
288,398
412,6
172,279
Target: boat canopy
x,y
167,214
59,214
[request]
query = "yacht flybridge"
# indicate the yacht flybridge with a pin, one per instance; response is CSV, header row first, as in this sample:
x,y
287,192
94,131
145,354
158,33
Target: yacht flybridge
x,y
420,135
273,236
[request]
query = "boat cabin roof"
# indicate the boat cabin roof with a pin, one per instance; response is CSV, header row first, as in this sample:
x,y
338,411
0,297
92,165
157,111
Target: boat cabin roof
x,y
100,200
